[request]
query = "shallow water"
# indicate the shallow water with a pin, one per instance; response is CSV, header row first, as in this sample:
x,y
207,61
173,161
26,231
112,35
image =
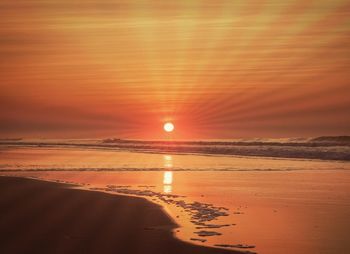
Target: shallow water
x,y
89,159
279,206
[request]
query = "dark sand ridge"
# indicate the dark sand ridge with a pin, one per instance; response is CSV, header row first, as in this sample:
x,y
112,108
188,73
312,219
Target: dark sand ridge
x,y
45,217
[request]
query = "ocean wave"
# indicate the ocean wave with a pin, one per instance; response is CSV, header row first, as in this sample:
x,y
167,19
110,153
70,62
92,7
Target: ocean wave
x,y
323,148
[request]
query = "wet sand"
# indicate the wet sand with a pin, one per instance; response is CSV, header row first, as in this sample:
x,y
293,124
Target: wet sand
x,y
45,217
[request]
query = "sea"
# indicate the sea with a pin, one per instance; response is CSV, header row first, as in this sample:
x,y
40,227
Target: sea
x,y
267,196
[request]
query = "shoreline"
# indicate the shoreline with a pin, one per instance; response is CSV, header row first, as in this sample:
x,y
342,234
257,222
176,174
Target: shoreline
x,y
47,217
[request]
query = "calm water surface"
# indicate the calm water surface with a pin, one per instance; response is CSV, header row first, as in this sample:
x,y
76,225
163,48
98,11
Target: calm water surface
x,y
279,206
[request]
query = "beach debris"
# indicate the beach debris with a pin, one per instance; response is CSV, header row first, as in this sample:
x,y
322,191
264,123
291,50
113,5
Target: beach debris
x,y
207,233
198,239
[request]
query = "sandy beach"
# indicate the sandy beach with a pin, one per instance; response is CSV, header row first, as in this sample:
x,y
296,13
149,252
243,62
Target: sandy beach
x,y
43,217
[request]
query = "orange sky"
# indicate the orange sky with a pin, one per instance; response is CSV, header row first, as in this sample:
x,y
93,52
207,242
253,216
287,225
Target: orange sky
x,y
217,69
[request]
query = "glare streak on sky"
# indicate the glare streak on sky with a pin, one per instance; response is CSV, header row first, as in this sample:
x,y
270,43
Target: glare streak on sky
x,y
216,69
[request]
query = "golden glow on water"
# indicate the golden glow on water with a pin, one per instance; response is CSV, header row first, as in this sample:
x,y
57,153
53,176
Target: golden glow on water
x,y
167,188
168,161
273,210
167,175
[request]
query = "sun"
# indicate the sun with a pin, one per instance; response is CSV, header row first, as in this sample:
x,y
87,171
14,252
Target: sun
x,y
168,127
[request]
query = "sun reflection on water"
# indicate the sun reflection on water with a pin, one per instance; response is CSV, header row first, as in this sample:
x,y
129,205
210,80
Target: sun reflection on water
x,y
168,161
168,175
